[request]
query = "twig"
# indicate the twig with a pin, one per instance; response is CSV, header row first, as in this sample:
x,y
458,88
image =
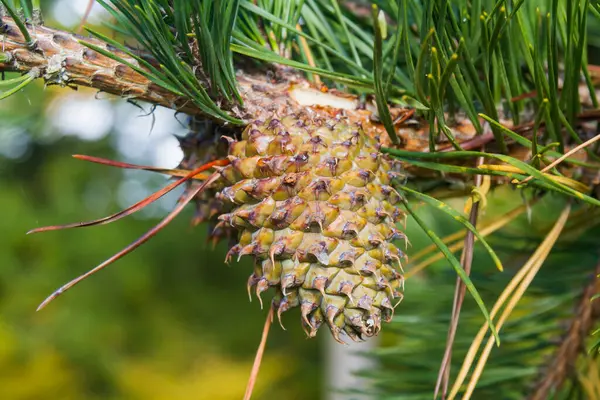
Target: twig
x,y
564,157
459,296
80,66
259,355
523,129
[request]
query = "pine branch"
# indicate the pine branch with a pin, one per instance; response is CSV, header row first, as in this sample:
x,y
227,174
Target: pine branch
x,y
562,366
61,59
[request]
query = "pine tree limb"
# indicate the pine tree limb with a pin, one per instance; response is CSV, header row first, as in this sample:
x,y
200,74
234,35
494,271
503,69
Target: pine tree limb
x,y
64,61
561,365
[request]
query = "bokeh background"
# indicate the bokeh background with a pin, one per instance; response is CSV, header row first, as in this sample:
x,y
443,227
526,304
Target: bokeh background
x,y
171,320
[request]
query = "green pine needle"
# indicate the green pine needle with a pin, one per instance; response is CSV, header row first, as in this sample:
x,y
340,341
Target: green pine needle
x,y
457,217
18,21
457,267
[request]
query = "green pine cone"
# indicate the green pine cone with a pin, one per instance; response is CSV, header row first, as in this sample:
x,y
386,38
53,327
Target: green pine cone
x,y
312,201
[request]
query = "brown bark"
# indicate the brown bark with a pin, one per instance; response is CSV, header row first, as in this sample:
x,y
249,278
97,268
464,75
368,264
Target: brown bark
x,y
60,59
561,365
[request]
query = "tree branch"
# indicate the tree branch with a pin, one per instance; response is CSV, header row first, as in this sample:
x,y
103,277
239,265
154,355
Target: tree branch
x,y
561,365
62,60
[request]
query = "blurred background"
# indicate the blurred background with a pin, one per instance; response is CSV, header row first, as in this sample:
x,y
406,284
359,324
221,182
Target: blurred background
x,y
171,320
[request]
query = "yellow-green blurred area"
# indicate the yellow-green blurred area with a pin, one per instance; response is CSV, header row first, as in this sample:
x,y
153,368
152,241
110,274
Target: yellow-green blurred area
x,y
172,320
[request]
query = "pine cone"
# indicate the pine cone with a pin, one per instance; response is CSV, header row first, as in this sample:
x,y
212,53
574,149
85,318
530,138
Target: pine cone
x,y
312,201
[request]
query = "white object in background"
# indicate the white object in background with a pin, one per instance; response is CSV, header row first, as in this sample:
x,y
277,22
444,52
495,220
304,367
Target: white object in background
x,y
342,362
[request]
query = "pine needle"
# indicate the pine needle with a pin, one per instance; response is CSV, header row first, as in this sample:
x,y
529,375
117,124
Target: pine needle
x,y
259,355
309,56
167,171
137,206
457,267
134,245
514,290
457,236
565,156
86,15
459,293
